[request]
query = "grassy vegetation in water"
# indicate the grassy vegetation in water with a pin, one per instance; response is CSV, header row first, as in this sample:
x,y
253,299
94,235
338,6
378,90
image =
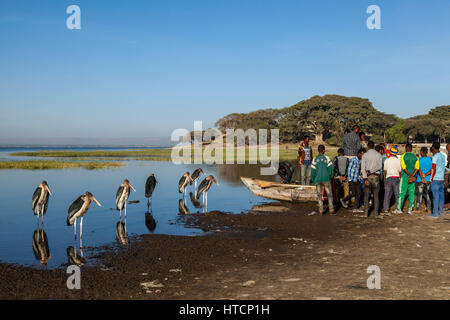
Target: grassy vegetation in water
x,y
52,164
288,154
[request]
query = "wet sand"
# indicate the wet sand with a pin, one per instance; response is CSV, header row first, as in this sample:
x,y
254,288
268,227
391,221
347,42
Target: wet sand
x,y
273,253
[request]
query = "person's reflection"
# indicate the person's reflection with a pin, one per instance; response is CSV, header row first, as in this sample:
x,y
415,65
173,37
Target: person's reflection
x,y
150,222
40,246
121,232
182,208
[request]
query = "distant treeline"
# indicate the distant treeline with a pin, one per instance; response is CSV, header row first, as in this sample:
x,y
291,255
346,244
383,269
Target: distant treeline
x,y
326,118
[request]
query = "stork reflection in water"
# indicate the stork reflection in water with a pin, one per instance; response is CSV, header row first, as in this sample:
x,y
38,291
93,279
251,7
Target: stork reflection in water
x,y
40,246
40,200
122,196
78,209
121,232
182,208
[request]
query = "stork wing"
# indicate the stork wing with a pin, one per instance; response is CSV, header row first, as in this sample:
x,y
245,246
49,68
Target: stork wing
x,y
202,187
74,208
181,182
119,194
36,195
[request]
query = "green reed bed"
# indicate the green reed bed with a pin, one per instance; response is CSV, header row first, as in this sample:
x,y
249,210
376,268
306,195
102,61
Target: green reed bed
x,y
52,164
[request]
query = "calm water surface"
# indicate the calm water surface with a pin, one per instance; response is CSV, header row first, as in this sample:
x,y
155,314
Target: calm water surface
x,y
18,223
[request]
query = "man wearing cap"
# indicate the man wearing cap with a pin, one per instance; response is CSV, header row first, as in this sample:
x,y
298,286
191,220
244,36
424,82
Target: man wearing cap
x,y
410,167
392,171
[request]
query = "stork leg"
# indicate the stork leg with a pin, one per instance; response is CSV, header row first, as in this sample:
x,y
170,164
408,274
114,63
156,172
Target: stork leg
x,y
81,229
120,214
75,229
125,210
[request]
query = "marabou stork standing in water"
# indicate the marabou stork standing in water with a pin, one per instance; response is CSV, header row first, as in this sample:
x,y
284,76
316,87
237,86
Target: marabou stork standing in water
x,y
40,200
204,188
150,185
183,183
122,196
78,209
195,176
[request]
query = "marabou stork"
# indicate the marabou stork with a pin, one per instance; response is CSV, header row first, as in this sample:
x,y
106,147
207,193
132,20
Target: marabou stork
x,y
40,200
122,196
183,183
204,187
40,247
195,176
150,185
78,209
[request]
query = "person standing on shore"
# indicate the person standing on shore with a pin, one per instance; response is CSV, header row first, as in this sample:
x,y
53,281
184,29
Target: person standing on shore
x,y
340,165
304,161
410,167
370,168
362,138
392,172
423,179
321,174
351,142
437,180
353,177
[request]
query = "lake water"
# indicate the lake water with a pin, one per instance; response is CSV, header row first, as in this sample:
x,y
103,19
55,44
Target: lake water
x,y
18,223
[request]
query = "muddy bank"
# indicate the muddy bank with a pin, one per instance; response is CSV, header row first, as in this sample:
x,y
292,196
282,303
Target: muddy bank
x,y
271,253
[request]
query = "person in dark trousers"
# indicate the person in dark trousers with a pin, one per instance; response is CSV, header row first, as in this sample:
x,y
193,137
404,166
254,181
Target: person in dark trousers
x,y
340,165
351,142
353,177
423,179
437,180
371,163
321,174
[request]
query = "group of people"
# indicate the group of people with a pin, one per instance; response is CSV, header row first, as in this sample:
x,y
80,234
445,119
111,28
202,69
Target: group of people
x,y
377,173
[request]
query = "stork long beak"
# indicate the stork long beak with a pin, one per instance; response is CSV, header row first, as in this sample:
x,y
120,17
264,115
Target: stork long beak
x,y
48,190
216,181
95,200
132,188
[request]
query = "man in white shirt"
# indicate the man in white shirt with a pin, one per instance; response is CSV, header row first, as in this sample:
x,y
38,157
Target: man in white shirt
x,y
392,172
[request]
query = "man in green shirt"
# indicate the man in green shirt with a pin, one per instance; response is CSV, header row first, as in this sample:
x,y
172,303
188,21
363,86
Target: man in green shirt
x,y
410,167
321,175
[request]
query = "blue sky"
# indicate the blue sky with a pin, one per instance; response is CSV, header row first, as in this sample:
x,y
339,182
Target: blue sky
x,y
145,68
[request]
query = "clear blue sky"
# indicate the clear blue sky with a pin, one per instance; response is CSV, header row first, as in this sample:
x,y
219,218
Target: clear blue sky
x,y
144,68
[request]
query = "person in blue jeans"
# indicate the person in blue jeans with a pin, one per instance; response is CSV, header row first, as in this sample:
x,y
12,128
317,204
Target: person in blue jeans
x,y
423,179
437,180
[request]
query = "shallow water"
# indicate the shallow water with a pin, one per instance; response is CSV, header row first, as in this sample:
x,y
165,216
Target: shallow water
x,y
18,223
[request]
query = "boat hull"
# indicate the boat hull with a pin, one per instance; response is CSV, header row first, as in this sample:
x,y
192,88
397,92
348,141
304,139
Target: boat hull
x,y
281,192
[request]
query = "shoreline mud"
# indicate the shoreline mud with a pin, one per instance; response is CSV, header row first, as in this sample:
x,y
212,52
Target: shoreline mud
x,y
272,252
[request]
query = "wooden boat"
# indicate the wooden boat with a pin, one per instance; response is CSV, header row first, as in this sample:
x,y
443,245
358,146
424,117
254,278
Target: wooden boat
x,y
279,191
